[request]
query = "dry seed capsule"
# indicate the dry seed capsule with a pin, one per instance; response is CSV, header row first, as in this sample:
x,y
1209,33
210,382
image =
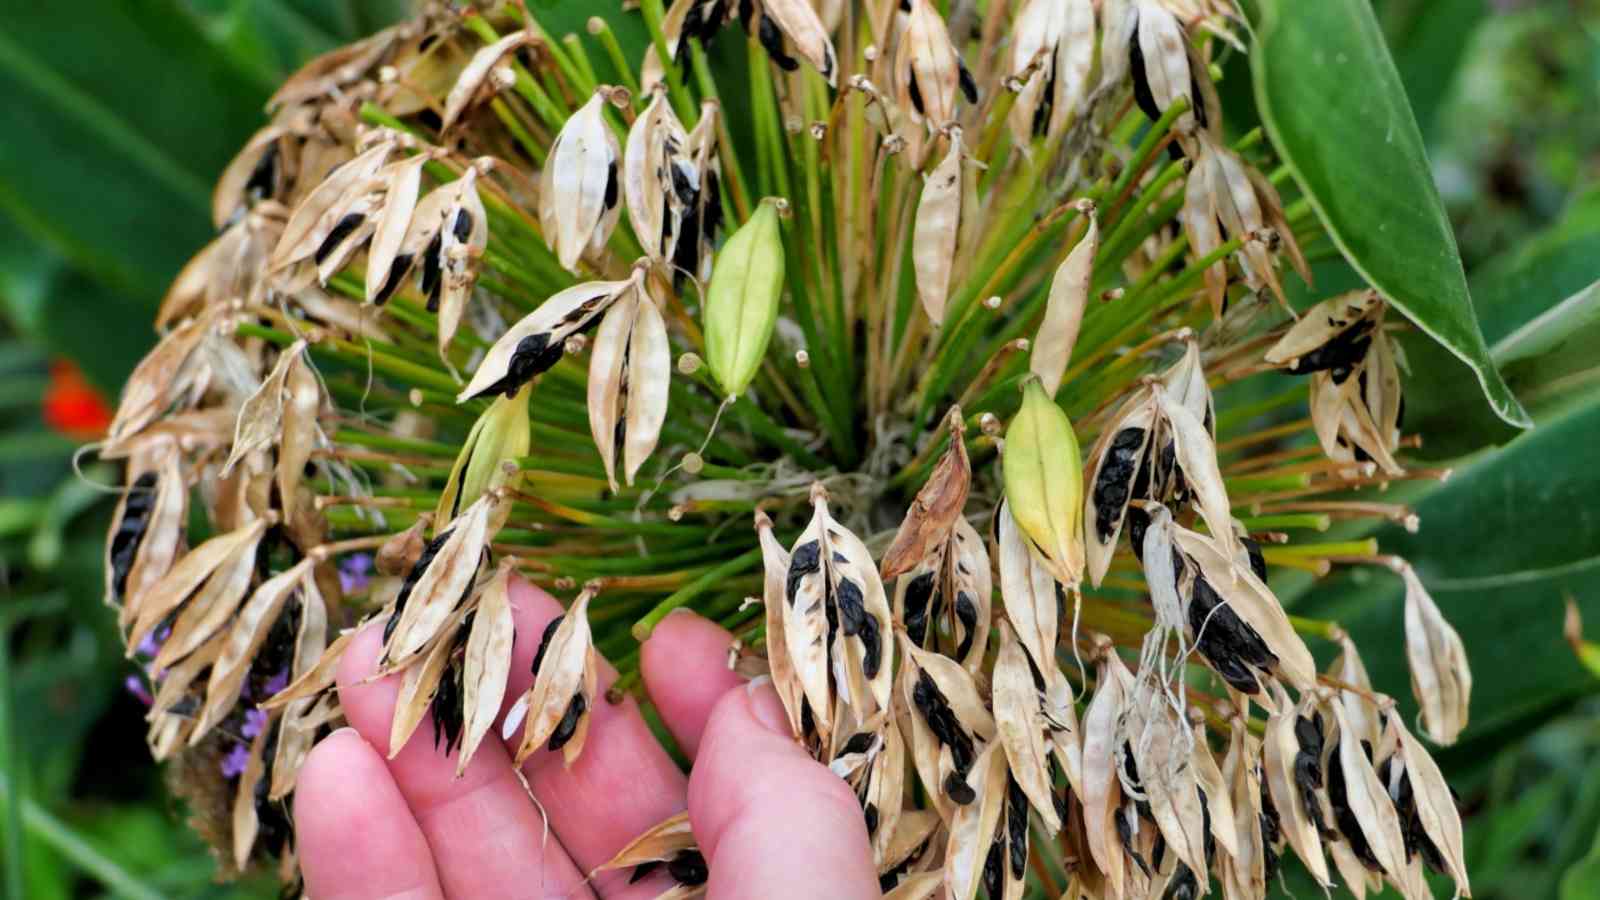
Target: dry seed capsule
x,y
1044,482
742,301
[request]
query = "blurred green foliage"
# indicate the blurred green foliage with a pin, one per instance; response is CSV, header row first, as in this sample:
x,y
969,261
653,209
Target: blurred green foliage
x,y
119,114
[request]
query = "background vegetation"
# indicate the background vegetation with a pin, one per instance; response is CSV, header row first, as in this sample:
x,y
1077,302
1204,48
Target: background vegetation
x,y
117,116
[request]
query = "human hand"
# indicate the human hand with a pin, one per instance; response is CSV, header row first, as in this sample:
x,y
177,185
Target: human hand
x,y
772,822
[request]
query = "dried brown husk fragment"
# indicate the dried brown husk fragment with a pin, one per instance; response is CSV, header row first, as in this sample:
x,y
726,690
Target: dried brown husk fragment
x,y
246,820
566,672
927,70
147,528
1196,456
1243,870
261,415
393,222
327,73
653,161
1441,680
256,173
798,22
350,187
659,843
399,553
158,382
301,719
1029,594
204,587
316,680
579,186
935,508
420,683
487,662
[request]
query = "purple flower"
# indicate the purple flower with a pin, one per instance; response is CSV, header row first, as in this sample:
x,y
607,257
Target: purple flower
x,y
150,645
355,571
234,763
135,686
254,721
275,684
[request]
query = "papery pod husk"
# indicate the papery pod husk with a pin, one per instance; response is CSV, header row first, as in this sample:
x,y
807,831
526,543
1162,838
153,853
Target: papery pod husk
x,y
1162,73
937,229
1052,345
968,585
391,226
246,821
260,418
909,846
935,508
927,69
297,726
1044,482
1243,871
741,304
319,679
658,843
499,438
1323,324
698,231
1441,680
321,209
1052,45
1020,724
798,22
1435,804
1185,384
579,185
420,683
1196,456
1156,734
917,886
158,382
656,143
1359,716
299,438
630,368
438,591
203,587
1218,795
852,579
177,680
785,678
933,760
537,341
973,825
1028,593
487,662
424,68
261,159
477,73
805,628
150,515
1279,748
883,789
1114,464
567,670
1204,232
459,257
327,73
1102,789
1368,800
244,637
1254,603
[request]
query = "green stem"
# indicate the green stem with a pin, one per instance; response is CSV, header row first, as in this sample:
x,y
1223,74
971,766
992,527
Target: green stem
x,y
711,579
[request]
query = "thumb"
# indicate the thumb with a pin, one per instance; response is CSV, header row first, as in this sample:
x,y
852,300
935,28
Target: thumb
x,y
770,820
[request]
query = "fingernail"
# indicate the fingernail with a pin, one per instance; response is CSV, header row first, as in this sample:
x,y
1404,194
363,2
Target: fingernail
x,y
678,611
765,705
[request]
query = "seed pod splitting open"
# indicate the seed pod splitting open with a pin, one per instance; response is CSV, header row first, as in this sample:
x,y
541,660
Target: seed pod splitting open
x,y
1044,482
1063,314
538,340
741,305
1440,676
630,368
557,706
579,185
469,86
935,508
1052,50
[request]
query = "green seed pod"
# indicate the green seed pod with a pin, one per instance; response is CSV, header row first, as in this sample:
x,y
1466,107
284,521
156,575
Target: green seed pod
x,y
742,302
499,436
1044,482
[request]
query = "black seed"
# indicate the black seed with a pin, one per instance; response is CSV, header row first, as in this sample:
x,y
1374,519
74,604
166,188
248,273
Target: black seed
x,y
957,789
446,708
806,560
463,226
1016,825
1141,80
688,867
942,722
1339,355
772,40
916,93
1258,563
1308,768
643,870
534,355
872,640
263,177
430,281
568,725
1349,825
424,559
969,85
391,283
991,866
130,531
544,642
1183,885
967,613
918,592
611,186
1125,835
852,611
1227,642
682,186
860,742
336,237
1114,482
870,813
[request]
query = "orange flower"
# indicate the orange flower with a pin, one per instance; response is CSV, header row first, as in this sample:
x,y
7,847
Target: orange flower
x,y
72,405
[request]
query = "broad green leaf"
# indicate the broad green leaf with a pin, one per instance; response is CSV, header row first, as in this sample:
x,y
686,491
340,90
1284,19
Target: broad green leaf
x,y
1500,546
1334,106
1582,881
1429,41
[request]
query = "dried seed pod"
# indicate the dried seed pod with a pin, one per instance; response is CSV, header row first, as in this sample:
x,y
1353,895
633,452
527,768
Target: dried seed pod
x,y
1159,61
246,817
1365,807
798,22
919,599
1222,199
1421,794
1102,788
670,843
1158,744
1215,795
498,439
949,722
1359,717
403,185
329,72
300,435
1185,383
261,415
400,552
1119,457
928,71
158,382
538,340
255,174
461,240
1032,600
439,582
147,529
968,584
933,512
684,19
203,589
1332,336
565,679
741,304
1196,457
245,636
630,368
424,683
1244,870
855,598
1019,720
702,217
1280,747
487,662
1069,293
909,847
313,681
1226,588
1441,680
470,85
323,219
579,185
785,677
657,176
1044,482
1052,53
297,726
972,828
937,229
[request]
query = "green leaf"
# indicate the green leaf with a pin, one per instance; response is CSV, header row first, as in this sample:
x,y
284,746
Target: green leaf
x,y
1334,106
1500,546
1582,881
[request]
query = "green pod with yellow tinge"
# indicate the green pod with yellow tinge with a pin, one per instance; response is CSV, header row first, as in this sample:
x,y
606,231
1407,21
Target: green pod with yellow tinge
x,y
1043,475
741,305
500,435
